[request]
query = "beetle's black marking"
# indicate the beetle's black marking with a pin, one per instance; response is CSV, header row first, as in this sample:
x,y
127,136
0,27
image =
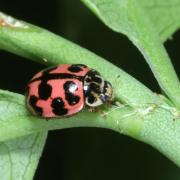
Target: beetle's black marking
x,y
70,85
93,76
58,107
32,102
93,73
81,65
94,87
91,99
70,97
88,79
48,70
57,103
97,79
44,90
75,68
106,84
89,96
47,77
106,96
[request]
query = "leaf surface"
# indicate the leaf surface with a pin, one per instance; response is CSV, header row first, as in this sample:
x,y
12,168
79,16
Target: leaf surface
x,y
19,157
164,15
131,18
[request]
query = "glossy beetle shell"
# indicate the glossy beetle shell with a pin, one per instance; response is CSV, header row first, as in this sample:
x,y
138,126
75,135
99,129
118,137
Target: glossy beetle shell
x,y
64,90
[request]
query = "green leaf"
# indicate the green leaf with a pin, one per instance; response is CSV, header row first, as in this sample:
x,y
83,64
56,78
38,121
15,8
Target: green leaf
x,y
130,118
130,18
14,114
161,130
146,122
19,158
47,48
164,15
152,123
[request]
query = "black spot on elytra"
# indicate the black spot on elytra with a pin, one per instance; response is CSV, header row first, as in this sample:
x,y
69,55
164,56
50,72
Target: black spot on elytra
x,y
70,85
57,103
32,102
46,77
44,90
70,97
48,70
75,68
58,107
81,65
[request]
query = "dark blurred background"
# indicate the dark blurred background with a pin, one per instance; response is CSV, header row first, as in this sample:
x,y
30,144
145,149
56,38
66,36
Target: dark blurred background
x,y
88,153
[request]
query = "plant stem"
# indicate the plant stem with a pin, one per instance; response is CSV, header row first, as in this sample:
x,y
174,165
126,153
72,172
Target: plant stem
x,y
141,106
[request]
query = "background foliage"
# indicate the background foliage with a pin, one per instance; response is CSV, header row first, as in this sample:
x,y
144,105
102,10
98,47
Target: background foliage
x,y
89,153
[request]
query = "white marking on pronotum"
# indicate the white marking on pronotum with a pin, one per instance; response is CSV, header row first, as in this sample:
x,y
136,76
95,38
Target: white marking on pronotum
x,y
8,21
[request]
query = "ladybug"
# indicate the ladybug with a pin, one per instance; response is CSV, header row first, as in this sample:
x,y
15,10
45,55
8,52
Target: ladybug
x,y
64,90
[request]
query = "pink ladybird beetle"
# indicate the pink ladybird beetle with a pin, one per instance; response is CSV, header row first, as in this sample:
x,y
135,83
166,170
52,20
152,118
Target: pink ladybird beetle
x,y
63,90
